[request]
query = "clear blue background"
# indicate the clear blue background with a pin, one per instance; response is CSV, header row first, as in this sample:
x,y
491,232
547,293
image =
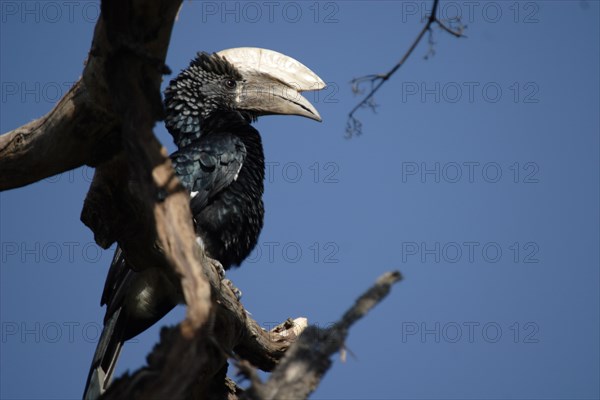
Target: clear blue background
x,y
523,323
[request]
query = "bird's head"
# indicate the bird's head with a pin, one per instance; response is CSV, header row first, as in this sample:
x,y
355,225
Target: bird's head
x,y
249,80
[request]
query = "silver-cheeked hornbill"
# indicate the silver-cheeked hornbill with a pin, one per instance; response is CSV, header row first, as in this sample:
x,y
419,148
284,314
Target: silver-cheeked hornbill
x,y
209,106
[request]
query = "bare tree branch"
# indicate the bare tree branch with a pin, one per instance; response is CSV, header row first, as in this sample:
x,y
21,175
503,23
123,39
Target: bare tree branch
x,y
307,361
73,133
353,125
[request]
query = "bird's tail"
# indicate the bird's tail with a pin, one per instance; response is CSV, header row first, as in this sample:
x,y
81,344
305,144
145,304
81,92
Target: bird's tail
x,y
105,358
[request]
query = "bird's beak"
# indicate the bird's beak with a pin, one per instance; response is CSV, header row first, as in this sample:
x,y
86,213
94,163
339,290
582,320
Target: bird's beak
x,y
273,82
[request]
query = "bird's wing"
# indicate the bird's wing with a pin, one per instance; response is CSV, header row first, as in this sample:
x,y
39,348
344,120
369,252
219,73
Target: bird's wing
x,y
205,167
208,166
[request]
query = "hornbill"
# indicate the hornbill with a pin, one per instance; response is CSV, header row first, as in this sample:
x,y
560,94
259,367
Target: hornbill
x,y
209,106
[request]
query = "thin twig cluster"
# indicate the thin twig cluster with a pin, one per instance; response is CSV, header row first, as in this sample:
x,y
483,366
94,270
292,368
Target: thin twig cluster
x,y
453,26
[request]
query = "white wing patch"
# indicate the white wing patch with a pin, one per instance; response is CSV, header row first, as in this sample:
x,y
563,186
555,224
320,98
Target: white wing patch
x,y
237,172
193,194
200,242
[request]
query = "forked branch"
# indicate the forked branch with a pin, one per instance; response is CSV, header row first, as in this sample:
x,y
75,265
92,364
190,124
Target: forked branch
x,y
353,125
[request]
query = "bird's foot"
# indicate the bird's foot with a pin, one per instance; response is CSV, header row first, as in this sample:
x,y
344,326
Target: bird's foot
x,y
219,267
234,289
221,271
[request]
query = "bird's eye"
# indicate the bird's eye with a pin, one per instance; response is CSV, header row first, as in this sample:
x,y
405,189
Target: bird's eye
x,y
230,83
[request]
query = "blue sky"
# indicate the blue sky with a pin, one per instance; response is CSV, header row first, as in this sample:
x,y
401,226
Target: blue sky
x,y
477,178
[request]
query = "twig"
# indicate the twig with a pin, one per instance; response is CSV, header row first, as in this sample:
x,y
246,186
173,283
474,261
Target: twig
x,y
309,358
354,126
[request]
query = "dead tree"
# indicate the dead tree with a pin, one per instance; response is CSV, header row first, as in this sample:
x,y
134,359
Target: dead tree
x,y
106,121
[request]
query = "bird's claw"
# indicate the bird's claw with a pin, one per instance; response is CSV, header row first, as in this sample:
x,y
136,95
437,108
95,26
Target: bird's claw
x,y
219,267
221,271
234,289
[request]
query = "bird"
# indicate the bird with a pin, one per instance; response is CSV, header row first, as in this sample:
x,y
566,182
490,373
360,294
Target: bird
x,y
209,109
